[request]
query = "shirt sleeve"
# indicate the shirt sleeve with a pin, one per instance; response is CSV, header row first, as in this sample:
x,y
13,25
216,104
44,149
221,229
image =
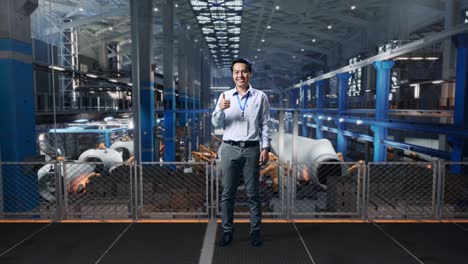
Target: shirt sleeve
x,y
265,122
217,118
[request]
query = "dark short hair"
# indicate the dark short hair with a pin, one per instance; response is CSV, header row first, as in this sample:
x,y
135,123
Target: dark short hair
x,y
244,61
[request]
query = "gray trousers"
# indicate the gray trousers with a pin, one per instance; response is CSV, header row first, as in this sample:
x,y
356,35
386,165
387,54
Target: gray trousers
x,y
237,161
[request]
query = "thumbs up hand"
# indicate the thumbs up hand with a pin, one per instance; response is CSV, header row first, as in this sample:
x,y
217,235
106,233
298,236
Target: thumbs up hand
x,y
224,103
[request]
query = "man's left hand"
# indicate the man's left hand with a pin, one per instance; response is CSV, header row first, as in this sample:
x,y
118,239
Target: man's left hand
x,y
264,157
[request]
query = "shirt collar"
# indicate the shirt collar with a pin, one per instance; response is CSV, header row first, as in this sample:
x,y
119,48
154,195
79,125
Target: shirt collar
x,y
251,90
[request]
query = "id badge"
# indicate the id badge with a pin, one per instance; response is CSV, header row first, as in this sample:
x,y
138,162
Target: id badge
x,y
243,128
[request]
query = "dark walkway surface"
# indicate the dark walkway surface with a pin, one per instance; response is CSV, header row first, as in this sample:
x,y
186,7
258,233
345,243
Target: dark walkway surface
x,y
284,243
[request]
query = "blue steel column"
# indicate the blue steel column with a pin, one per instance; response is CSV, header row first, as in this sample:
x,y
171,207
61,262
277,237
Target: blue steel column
x,y
460,119
142,78
319,97
304,102
169,89
17,107
342,106
381,108
182,74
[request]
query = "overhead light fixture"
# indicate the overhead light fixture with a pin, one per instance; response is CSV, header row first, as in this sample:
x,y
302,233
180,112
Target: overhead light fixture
x,y
438,81
57,68
155,9
113,80
130,84
353,7
329,118
402,58
268,27
293,57
90,75
81,9
313,40
263,40
417,58
341,120
176,5
111,28
358,122
302,50
329,27
320,117
432,58
277,7
196,40
188,27
255,57
259,50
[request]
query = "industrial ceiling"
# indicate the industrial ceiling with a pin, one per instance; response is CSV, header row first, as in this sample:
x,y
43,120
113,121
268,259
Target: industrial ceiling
x,y
286,40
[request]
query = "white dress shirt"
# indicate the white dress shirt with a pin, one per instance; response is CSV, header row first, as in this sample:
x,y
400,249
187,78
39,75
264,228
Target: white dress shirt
x,y
255,126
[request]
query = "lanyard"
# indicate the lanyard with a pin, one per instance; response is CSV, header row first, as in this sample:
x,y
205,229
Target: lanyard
x,y
242,108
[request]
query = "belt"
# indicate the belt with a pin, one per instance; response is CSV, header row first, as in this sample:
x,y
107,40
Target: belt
x,y
242,144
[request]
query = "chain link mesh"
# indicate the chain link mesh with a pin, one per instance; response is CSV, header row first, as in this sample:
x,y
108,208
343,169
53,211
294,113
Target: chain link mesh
x,y
401,190
329,189
455,190
97,190
174,190
272,191
27,191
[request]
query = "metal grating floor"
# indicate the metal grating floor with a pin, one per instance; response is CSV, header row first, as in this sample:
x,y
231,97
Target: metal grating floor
x,y
172,243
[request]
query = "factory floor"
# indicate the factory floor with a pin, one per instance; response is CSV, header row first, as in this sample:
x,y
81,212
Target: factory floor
x,y
175,243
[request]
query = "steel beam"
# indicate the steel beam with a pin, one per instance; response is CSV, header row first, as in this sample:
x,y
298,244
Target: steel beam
x,y
169,87
415,45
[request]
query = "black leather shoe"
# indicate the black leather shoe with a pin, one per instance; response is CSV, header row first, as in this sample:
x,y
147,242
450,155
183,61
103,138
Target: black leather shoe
x,y
255,239
226,239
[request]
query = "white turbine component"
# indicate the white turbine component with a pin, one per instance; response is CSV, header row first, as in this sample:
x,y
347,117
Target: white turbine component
x,y
46,177
125,148
109,157
310,154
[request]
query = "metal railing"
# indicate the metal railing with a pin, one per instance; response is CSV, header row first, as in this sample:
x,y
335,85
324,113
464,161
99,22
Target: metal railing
x,y
192,190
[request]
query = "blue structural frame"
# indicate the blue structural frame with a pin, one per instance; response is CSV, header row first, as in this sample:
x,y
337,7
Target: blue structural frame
x,y
342,105
381,108
460,118
305,100
147,121
319,98
169,124
18,133
381,123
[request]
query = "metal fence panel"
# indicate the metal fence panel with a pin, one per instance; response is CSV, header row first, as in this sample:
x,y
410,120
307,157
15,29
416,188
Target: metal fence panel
x,y
27,190
327,189
174,190
402,190
97,190
272,190
454,197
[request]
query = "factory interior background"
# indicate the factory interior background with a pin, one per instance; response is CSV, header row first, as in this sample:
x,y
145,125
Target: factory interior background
x,y
106,108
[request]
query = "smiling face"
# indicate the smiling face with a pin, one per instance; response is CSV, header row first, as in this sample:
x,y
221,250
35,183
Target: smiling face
x,y
241,75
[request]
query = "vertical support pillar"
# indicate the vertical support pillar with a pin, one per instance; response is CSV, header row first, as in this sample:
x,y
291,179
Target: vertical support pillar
x,y
319,98
143,82
17,107
304,102
169,89
190,93
447,95
342,106
381,107
460,119
182,74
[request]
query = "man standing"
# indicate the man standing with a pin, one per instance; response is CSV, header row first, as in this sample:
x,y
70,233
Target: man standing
x,y
244,114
